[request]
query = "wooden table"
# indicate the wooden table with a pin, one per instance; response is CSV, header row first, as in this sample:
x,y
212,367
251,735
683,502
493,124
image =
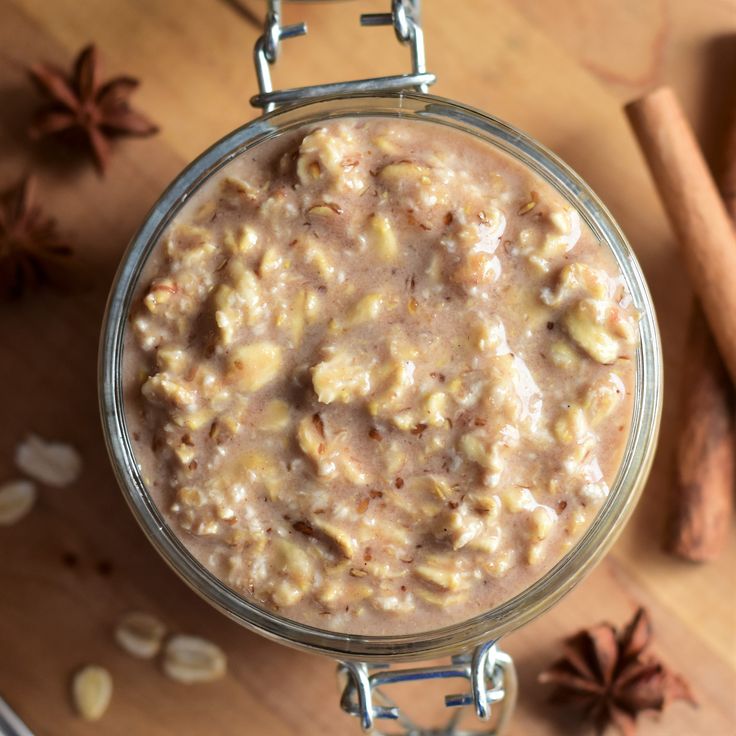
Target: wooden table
x,y
559,69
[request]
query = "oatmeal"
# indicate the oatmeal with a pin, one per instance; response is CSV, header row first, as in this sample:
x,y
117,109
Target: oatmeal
x,y
379,375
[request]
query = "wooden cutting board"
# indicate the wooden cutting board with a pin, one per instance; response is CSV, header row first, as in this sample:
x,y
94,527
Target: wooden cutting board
x,y
558,69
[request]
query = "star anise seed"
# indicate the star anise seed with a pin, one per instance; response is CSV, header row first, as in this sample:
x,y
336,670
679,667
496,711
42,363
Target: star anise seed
x,y
31,249
607,675
80,103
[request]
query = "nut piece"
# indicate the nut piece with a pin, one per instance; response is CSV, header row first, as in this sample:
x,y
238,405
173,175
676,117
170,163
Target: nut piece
x,y
53,463
140,634
16,500
91,692
190,659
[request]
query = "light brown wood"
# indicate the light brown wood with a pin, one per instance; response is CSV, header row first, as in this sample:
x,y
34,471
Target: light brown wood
x,y
558,69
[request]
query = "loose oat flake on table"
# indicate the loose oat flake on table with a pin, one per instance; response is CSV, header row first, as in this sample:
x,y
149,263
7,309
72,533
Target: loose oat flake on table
x,y
32,252
92,692
140,634
191,659
53,463
608,675
81,104
16,500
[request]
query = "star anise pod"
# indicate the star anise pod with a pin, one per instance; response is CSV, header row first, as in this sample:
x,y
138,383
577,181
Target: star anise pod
x,y
80,104
31,249
608,676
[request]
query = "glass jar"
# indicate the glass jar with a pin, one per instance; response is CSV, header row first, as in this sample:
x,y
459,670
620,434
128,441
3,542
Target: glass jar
x,y
484,630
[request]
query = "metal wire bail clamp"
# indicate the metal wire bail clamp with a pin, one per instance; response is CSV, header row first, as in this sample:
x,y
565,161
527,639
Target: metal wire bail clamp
x,y
490,672
405,18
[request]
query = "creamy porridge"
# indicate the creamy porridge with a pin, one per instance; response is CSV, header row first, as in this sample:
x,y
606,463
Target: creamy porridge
x,y
379,375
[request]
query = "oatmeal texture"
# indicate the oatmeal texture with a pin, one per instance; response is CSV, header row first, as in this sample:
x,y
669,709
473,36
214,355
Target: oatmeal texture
x,y
379,375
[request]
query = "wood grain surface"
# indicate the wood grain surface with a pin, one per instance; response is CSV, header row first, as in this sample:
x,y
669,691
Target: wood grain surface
x,y
559,69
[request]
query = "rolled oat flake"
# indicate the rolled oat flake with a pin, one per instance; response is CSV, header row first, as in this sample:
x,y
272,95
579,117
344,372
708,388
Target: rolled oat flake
x,y
92,691
16,500
53,463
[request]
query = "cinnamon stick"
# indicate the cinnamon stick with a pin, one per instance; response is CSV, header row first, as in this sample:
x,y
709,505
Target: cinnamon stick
x,y
700,516
695,209
706,459
706,451
728,174
701,513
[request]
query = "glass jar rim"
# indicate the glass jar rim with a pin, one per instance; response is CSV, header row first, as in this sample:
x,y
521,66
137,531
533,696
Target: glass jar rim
x,y
637,456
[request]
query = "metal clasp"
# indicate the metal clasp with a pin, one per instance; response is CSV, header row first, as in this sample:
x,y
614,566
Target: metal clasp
x,y
490,672
405,18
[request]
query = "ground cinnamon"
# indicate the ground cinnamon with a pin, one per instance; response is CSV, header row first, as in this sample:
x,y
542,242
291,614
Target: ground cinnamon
x,y
706,453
